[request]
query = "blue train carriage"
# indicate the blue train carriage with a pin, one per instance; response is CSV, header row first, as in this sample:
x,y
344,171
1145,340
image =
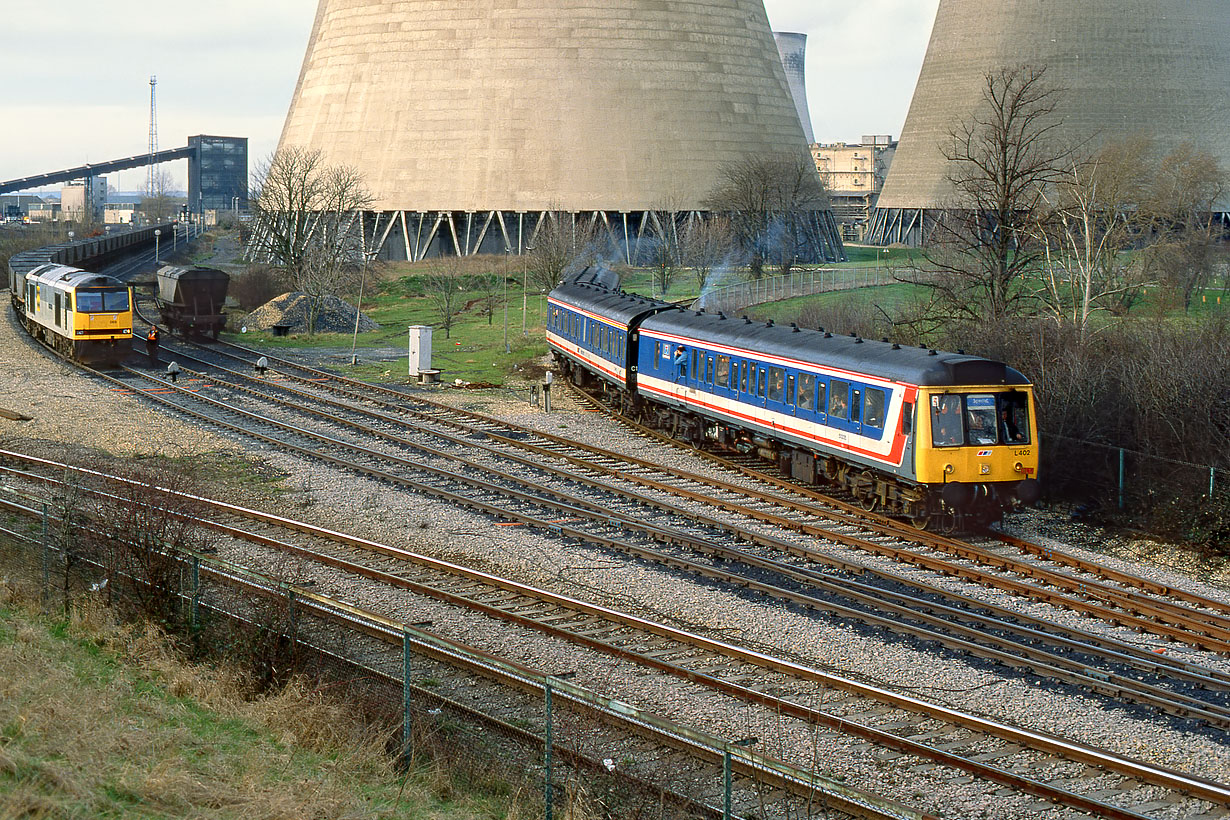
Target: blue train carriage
x,y
588,333
84,316
846,410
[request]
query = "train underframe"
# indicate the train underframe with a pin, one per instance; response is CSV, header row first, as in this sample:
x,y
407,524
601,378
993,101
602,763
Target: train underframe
x,y
948,508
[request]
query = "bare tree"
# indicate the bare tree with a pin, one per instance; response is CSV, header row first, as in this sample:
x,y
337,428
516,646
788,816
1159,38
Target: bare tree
x,y
1188,185
446,286
706,244
309,222
1000,161
769,201
561,240
1123,220
162,206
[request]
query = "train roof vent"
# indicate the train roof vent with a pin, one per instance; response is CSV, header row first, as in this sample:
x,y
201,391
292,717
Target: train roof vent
x,y
896,346
794,327
721,315
858,340
746,320
828,335
769,323
933,353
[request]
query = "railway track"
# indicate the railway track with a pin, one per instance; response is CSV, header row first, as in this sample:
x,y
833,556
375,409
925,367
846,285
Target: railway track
x,y
804,517
546,523
782,690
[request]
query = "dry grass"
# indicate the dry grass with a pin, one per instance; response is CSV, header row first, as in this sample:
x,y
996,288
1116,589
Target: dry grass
x,y
99,719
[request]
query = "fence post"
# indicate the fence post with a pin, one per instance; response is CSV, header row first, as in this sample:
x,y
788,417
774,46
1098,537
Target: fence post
x,y
46,558
547,743
1121,457
726,784
406,732
196,591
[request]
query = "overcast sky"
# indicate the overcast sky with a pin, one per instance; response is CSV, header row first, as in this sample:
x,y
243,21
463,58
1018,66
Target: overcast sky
x,y
77,88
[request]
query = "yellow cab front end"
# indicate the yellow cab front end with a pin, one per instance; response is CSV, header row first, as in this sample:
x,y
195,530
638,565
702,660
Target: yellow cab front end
x,y
978,446
101,314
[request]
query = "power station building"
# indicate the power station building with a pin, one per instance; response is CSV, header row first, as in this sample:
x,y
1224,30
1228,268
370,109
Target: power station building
x,y
1122,68
472,122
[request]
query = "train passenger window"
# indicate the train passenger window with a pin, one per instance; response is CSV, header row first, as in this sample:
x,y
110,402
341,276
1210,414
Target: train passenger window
x,y
946,427
760,380
708,370
657,354
777,384
821,390
1014,418
790,390
723,371
743,378
807,391
696,371
873,408
856,405
980,418
907,418
839,392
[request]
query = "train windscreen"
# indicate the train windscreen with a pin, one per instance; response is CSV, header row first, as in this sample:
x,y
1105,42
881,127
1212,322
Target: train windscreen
x,y
113,300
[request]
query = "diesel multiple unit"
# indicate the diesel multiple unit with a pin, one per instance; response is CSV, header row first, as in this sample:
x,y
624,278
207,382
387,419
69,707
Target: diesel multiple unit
x,y
941,438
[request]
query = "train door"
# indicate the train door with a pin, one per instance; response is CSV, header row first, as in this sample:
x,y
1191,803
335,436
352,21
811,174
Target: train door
x,y
845,409
775,392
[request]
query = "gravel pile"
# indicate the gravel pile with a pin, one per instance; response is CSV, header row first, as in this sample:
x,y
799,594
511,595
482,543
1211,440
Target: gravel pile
x,y
291,309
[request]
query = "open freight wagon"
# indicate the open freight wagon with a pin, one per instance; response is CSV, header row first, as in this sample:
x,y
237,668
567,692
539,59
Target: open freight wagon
x,y
191,300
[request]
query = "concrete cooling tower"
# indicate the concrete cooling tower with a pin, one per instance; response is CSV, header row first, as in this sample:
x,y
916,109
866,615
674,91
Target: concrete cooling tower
x,y
1122,68
793,50
472,119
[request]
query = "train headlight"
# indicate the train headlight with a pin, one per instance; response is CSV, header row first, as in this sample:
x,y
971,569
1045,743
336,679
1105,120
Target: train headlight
x,y
1018,467
948,469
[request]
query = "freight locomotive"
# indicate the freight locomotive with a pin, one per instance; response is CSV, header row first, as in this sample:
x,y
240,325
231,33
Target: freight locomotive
x,y
84,316
943,439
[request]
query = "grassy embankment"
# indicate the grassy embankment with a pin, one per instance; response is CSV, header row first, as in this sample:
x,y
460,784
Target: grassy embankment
x,y
98,720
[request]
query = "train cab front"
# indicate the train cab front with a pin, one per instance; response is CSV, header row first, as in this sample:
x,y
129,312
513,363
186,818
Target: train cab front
x,y
977,450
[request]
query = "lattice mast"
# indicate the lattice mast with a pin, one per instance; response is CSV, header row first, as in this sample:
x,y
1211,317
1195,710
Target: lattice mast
x,y
153,137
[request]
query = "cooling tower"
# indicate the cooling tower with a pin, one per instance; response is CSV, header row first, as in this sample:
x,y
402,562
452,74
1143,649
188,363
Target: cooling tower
x,y
467,115
1122,68
793,50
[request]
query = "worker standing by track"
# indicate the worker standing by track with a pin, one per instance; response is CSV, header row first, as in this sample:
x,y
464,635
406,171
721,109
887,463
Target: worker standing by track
x,y
151,343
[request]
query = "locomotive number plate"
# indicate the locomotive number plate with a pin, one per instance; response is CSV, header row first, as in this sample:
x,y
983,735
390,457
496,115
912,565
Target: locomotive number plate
x,y
1024,452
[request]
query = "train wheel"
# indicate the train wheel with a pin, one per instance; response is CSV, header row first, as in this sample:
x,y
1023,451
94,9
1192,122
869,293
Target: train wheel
x,y
918,515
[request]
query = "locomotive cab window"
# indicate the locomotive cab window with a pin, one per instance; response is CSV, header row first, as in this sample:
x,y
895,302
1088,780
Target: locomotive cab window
x,y
947,429
980,418
807,391
1014,418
